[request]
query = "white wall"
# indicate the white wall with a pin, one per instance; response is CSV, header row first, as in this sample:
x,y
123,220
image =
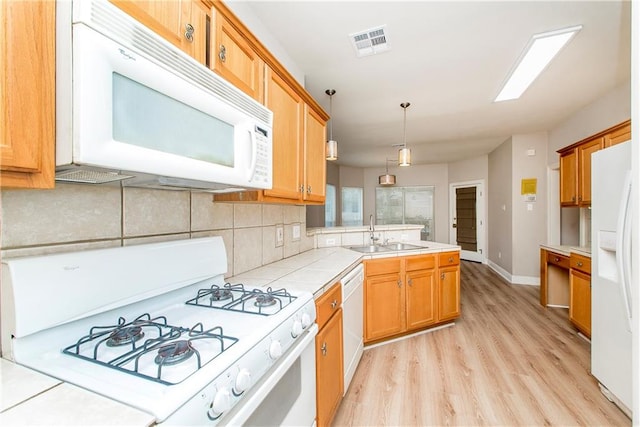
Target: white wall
x,y
469,169
529,218
437,175
499,196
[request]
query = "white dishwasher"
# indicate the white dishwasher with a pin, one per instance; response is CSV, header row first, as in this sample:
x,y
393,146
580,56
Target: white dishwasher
x,y
352,317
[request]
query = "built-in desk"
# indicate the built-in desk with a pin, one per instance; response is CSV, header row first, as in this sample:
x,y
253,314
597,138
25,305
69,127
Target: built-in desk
x,y
554,276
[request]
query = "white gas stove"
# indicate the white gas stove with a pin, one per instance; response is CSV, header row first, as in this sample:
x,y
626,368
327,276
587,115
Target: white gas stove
x,y
157,327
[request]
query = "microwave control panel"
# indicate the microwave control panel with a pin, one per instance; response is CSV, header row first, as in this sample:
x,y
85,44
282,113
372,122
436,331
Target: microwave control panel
x,y
262,172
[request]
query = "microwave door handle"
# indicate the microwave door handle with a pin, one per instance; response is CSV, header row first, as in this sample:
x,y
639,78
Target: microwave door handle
x,y
254,155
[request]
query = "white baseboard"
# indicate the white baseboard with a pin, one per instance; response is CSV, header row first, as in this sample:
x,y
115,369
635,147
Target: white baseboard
x,y
514,280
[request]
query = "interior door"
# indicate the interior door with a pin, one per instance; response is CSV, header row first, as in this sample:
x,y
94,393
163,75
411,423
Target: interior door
x,y
467,222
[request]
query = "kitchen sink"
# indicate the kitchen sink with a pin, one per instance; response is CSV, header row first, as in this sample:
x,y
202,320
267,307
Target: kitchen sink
x,y
369,249
403,247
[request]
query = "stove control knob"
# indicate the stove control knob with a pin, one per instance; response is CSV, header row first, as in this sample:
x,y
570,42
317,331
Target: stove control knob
x,y
296,330
243,381
306,320
275,350
221,403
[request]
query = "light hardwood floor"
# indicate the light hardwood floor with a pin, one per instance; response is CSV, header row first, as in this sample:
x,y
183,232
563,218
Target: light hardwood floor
x,y
507,361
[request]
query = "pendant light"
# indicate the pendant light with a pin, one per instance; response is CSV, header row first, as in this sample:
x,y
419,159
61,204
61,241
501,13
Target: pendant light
x,y
404,154
332,146
387,179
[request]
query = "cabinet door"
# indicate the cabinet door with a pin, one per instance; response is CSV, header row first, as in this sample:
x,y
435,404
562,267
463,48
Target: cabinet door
x,y
236,61
580,302
449,293
314,156
584,170
181,22
421,298
569,179
287,108
384,308
27,94
329,369
622,134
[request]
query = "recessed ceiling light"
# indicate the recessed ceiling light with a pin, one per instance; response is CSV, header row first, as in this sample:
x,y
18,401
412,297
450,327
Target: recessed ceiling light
x,y
542,48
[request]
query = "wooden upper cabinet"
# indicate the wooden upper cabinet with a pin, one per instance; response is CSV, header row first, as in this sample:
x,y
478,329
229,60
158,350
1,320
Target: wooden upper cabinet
x,y
315,171
287,108
569,178
184,23
235,59
27,94
584,169
575,164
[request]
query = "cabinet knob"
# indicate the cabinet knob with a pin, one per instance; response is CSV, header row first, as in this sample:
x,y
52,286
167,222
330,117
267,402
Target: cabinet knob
x,y
222,53
580,198
442,276
324,348
556,259
573,198
399,283
410,282
188,32
579,263
302,188
309,189
450,259
334,303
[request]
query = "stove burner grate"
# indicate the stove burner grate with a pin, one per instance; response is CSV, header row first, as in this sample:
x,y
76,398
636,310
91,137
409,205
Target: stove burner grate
x,y
264,302
168,346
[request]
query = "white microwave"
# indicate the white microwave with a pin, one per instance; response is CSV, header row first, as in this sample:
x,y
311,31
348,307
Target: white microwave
x,y
133,108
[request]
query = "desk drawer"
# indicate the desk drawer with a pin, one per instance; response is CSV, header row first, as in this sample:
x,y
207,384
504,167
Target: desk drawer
x,y
557,259
581,263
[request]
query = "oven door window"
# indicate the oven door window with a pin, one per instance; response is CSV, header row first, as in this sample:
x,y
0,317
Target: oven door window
x,y
147,118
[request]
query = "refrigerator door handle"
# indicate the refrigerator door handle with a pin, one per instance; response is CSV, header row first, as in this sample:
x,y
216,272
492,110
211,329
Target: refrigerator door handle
x,y
623,248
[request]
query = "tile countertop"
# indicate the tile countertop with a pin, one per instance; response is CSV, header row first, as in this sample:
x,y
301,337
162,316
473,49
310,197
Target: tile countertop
x,y
318,269
566,250
30,398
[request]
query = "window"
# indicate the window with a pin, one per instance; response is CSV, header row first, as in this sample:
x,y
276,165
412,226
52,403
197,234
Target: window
x,y
330,206
351,206
406,205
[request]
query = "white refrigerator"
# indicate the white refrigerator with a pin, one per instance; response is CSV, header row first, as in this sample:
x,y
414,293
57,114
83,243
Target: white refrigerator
x,y
611,289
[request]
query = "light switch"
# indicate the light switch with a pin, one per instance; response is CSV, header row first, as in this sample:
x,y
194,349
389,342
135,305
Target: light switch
x,y
529,206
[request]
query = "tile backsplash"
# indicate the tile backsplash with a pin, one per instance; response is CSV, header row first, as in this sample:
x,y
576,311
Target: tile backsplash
x,y
76,217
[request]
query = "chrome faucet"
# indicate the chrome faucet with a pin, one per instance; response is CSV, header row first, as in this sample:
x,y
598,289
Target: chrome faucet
x,y
372,238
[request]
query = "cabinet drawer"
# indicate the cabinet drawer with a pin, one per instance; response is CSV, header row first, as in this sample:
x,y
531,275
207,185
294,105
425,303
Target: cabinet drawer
x,y
581,263
328,303
448,258
420,262
382,266
557,259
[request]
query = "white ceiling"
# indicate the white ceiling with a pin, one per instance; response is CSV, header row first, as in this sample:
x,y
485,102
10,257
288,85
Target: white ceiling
x,y
449,60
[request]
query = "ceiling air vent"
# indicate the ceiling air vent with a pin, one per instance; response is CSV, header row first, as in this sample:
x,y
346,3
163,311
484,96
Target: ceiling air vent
x,y
370,42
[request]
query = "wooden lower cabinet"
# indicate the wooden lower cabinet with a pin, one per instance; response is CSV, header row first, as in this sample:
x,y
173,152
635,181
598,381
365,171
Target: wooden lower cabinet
x,y
329,355
580,293
406,294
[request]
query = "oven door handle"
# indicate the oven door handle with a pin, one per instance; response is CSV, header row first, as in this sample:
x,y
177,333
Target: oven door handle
x,y
259,391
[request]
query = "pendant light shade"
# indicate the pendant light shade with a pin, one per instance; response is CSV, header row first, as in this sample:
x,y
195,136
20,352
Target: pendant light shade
x,y
404,154
331,149
387,179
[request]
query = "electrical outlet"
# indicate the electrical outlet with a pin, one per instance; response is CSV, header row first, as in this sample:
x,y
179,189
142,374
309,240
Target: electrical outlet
x,y
499,254
296,232
279,235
